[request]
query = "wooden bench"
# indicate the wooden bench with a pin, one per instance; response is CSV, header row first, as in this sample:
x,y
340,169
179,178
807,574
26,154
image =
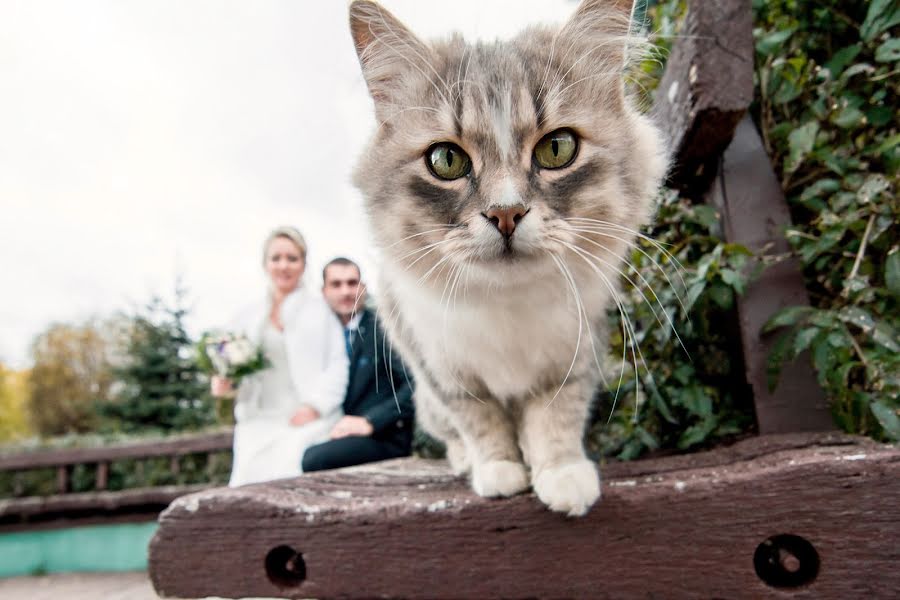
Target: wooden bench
x,y
797,512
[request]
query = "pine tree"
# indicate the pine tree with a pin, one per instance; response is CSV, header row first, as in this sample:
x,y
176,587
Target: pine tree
x,y
161,387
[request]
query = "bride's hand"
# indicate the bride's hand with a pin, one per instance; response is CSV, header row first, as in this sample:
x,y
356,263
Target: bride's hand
x,y
221,387
304,415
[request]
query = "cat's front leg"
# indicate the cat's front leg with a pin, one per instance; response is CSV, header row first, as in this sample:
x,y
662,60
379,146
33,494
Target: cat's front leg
x,y
551,432
491,449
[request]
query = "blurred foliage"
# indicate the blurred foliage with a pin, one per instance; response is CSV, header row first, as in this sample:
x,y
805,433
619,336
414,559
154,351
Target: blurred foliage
x,y
14,423
161,387
71,372
679,382
827,76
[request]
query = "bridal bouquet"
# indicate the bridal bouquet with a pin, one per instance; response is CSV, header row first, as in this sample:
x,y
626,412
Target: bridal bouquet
x,y
229,355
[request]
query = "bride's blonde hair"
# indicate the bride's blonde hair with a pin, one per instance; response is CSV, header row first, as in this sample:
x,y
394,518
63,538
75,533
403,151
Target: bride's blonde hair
x,y
289,233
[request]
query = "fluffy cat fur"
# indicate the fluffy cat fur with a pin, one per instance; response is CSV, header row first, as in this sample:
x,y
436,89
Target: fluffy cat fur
x,y
503,332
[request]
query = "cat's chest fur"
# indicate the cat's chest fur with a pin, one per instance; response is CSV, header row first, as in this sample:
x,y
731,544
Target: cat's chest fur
x,y
508,339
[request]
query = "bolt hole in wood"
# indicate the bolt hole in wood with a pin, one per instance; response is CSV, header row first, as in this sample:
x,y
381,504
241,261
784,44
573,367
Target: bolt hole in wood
x,y
285,567
786,561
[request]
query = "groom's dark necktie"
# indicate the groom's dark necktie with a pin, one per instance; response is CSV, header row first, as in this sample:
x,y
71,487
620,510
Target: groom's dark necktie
x,y
348,341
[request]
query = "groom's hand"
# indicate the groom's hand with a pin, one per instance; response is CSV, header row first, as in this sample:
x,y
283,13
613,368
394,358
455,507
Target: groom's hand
x,y
351,425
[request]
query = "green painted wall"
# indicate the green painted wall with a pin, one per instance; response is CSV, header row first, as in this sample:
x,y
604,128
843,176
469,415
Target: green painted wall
x,y
94,548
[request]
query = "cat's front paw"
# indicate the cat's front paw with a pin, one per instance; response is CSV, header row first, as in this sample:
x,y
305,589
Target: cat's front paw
x,y
499,478
458,457
571,488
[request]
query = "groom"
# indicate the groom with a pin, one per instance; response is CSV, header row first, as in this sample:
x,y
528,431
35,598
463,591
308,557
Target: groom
x,y
378,421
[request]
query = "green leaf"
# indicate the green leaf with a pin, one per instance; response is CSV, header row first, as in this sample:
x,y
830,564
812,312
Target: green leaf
x,y
853,315
888,51
696,401
696,434
886,336
722,295
774,41
887,418
790,315
803,339
841,59
733,278
892,272
882,15
800,142
874,186
849,117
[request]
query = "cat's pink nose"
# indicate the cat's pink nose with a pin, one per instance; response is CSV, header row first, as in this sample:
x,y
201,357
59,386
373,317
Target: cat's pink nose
x,y
506,218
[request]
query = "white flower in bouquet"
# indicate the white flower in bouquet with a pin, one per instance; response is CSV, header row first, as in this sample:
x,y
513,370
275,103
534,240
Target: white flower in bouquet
x,y
230,355
239,351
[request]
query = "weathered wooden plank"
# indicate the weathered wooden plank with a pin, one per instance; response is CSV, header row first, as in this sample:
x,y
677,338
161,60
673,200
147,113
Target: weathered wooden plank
x,y
688,527
706,88
189,444
754,213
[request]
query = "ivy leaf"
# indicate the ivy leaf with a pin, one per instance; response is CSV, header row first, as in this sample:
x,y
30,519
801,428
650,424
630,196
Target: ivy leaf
x,y
787,316
853,315
887,418
800,142
883,14
841,59
774,41
888,51
892,272
850,116
696,434
886,336
722,295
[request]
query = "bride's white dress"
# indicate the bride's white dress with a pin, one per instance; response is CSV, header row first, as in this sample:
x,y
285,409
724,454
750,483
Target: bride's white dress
x,y
266,445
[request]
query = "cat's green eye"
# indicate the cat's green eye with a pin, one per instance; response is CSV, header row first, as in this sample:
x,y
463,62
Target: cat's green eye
x,y
448,161
556,149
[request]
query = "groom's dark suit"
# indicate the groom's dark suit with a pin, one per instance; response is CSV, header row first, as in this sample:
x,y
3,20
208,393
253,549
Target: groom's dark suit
x,y
380,390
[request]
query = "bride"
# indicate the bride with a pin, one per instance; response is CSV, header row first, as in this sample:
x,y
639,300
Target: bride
x,y
284,409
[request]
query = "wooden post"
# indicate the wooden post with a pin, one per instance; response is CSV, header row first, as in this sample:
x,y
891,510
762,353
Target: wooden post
x,y
62,479
754,213
794,516
102,475
706,89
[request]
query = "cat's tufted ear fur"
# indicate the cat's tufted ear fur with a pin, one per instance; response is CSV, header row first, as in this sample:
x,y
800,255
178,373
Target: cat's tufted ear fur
x,y
599,34
387,50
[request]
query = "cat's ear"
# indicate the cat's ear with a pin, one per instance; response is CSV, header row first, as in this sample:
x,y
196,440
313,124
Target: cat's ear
x,y
387,50
604,26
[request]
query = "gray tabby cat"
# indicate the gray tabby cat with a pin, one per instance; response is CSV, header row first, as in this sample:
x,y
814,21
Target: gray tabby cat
x,y
504,186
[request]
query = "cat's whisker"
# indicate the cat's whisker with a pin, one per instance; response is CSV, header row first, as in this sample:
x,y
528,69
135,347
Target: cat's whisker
x,y
423,251
443,262
628,326
616,226
566,275
454,275
634,246
415,235
635,286
587,320
644,296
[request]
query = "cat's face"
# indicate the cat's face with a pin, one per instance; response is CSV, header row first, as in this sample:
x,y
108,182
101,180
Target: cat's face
x,y
492,154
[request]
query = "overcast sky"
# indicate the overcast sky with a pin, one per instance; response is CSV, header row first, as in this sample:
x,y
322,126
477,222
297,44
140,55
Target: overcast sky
x,y
143,139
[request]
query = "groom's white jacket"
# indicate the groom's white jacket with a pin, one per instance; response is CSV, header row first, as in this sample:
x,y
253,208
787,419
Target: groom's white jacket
x,y
314,343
